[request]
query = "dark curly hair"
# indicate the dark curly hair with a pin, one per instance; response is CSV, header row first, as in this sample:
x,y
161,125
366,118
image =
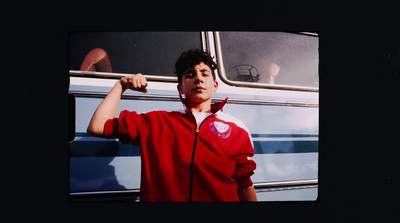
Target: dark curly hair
x,y
191,58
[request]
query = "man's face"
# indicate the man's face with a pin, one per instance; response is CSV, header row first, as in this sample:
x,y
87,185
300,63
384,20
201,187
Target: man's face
x,y
198,84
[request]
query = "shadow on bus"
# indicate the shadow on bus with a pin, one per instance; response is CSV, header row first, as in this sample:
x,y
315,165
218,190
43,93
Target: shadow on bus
x,y
90,166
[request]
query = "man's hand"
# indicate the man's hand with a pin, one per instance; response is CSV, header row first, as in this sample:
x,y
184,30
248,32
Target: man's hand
x,y
134,82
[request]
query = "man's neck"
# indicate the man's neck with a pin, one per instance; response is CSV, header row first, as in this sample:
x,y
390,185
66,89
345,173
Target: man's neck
x,y
203,107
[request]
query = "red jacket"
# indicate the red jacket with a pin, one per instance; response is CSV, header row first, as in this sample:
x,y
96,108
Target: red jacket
x,y
182,163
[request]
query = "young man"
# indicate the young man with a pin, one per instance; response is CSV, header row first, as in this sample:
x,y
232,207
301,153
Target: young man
x,y
194,154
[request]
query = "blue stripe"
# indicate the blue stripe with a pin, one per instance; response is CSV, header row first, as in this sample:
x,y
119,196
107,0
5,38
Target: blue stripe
x,y
82,134
273,147
111,148
102,149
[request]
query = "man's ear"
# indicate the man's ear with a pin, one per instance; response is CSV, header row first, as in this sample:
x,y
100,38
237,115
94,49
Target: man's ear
x,y
179,87
215,86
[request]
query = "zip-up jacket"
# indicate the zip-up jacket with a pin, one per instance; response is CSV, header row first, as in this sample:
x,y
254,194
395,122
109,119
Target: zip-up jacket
x,y
183,162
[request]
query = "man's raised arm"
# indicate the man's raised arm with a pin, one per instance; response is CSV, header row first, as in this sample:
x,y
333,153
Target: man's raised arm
x,y
108,107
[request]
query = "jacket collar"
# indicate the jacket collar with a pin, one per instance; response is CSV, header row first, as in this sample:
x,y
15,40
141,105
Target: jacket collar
x,y
215,107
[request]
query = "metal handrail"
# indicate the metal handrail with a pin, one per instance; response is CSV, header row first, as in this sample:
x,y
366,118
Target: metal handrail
x,y
78,73
154,97
285,185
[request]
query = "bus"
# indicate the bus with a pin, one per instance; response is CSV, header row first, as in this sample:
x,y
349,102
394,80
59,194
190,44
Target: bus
x,y
270,78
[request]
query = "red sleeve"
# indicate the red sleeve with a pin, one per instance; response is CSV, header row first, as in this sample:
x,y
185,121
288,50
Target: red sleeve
x,y
244,167
126,127
111,128
243,170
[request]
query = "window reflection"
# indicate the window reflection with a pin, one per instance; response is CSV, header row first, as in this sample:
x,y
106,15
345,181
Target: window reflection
x,y
271,57
152,53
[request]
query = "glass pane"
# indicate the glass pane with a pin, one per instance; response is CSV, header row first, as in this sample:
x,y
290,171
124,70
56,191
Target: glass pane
x,y
271,57
151,53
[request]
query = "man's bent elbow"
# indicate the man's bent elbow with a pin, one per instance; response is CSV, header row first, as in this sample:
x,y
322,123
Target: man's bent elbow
x,y
95,131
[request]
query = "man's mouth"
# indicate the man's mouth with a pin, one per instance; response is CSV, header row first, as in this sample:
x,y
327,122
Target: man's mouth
x,y
199,89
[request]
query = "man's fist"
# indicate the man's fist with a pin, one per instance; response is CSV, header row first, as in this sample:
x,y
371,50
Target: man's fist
x,y
134,82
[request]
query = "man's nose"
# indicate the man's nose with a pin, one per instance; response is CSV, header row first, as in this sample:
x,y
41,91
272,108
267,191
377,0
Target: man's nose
x,y
199,77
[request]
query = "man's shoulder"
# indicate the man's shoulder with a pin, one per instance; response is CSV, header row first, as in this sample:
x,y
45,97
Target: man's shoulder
x,y
227,117
230,118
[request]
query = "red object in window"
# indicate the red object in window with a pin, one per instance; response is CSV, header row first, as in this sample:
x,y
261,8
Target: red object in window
x,y
96,60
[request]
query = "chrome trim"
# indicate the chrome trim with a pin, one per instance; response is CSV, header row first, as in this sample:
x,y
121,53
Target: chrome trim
x,y
285,185
134,193
153,97
77,73
309,33
222,75
271,103
106,196
105,192
204,42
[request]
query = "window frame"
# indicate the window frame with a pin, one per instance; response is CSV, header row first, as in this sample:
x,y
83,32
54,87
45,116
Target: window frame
x,y
223,76
150,77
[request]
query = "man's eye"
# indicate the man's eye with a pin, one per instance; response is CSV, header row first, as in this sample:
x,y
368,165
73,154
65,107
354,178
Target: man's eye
x,y
206,74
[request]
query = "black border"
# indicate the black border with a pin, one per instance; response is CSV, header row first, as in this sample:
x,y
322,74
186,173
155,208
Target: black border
x,y
359,76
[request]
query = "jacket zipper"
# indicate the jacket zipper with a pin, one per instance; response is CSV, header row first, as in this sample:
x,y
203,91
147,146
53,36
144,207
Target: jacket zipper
x,y
192,165
194,150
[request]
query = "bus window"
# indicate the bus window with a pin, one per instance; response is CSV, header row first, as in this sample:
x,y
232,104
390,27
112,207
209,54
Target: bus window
x,y
151,53
274,58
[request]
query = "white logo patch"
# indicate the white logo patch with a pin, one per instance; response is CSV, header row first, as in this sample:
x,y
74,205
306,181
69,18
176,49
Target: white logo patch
x,y
221,127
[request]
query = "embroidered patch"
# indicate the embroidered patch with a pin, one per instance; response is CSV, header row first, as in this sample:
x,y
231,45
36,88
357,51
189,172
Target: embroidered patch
x,y
221,129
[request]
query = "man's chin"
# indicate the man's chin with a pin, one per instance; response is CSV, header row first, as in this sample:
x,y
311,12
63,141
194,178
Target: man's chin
x,y
199,99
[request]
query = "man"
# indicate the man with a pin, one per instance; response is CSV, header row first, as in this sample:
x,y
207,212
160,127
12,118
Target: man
x,y
193,154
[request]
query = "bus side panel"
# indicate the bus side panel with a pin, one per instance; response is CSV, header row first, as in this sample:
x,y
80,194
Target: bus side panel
x,y
99,164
